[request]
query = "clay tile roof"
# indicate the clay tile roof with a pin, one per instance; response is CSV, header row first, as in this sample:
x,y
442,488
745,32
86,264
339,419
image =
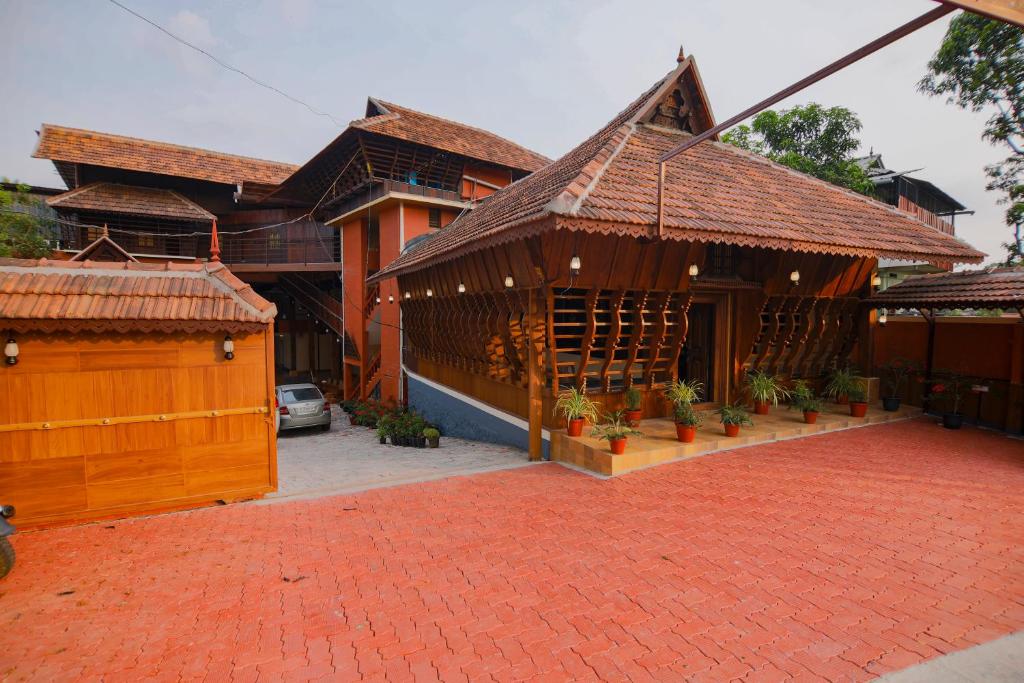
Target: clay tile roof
x,y
49,295
132,200
433,131
989,288
713,193
74,145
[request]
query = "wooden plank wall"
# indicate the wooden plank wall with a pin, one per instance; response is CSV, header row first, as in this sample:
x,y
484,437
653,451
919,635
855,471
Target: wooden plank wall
x,y
61,473
622,321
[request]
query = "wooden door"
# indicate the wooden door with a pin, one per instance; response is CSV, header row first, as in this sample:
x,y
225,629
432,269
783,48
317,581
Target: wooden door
x,y
697,361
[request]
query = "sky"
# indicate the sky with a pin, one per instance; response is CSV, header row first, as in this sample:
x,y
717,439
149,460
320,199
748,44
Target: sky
x,y
544,74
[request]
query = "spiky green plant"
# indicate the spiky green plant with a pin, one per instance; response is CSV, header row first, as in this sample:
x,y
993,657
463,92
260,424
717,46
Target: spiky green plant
x,y
574,404
764,387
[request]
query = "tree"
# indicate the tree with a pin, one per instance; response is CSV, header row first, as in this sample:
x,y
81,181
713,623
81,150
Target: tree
x,y
812,139
980,65
22,230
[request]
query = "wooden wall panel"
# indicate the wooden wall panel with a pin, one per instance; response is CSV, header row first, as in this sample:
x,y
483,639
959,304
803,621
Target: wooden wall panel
x,y
138,462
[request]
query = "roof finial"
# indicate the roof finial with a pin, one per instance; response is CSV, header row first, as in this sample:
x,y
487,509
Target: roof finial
x,y
214,244
682,55
106,232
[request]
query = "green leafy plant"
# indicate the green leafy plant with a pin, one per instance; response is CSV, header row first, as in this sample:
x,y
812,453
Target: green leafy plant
x,y
765,388
802,397
842,382
686,415
614,426
22,230
431,433
857,393
575,404
734,415
895,372
634,399
684,392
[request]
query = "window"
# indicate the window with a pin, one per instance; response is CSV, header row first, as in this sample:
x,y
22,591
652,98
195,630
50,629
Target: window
x,y
146,241
434,218
721,260
299,394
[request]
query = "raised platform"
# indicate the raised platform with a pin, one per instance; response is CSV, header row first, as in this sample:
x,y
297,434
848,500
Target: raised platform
x,y
659,445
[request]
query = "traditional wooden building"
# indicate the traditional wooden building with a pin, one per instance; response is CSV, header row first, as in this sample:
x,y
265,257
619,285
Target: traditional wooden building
x,y
305,237
129,387
583,273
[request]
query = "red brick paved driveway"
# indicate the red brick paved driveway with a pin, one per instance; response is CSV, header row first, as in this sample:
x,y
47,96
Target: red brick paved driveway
x,y
840,557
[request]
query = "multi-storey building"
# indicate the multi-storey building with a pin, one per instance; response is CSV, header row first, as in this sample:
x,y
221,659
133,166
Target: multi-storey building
x,y
306,237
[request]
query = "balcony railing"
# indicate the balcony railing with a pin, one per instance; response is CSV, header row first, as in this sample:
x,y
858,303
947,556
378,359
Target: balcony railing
x,y
295,244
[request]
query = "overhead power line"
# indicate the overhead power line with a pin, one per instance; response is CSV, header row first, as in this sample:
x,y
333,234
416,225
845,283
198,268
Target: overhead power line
x,y
227,66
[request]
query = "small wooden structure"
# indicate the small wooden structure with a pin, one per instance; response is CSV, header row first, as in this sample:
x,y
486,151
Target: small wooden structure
x,y
585,273
121,399
990,349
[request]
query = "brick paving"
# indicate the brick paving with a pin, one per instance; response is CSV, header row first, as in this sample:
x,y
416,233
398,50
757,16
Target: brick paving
x,y
836,557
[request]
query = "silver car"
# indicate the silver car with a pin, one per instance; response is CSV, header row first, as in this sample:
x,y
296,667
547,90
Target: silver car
x,y
302,405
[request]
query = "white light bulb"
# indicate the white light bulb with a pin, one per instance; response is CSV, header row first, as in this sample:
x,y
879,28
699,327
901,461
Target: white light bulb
x,y
575,264
430,292
509,282
462,288
794,277
694,270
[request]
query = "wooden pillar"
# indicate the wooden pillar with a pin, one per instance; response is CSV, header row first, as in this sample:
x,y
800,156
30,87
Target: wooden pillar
x,y
1015,397
929,360
535,372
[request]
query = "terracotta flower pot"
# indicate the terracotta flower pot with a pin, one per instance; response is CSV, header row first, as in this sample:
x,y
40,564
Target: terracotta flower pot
x,y
858,408
618,445
761,407
811,416
685,433
575,427
732,430
633,417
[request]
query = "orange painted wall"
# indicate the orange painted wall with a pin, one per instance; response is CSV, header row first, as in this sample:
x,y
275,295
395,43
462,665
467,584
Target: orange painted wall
x,y
493,176
353,237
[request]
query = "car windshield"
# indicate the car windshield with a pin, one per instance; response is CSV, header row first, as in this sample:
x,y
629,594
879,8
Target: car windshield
x,y
300,394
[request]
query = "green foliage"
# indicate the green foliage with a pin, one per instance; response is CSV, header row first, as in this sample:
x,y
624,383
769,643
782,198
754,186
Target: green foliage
x,y
765,388
857,394
614,426
684,392
22,232
431,433
811,139
686,415
843,382
633,399
979,66
574,404
734,415
803,398
952,387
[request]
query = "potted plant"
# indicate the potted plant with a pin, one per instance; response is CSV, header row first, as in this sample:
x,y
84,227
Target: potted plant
x,y
577,408
634,399
384,428
765,390
432,436
952,387
858,399
683,395
615,429
894,372
732,417
687,420
840,383
803,398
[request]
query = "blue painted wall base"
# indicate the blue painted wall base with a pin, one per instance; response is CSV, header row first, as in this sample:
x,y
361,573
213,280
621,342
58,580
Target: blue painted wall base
x,y
456,416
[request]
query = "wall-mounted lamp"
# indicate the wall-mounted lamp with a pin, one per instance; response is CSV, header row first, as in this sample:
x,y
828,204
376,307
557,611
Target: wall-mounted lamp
x,y
462,288
876,281
408,295
575,265
509,282
391,298
794,277
694,270
229,347
11,351
430,292
378,299
883,317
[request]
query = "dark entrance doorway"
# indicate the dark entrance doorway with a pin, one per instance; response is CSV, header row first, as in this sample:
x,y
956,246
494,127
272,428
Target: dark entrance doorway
x,y
697,362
